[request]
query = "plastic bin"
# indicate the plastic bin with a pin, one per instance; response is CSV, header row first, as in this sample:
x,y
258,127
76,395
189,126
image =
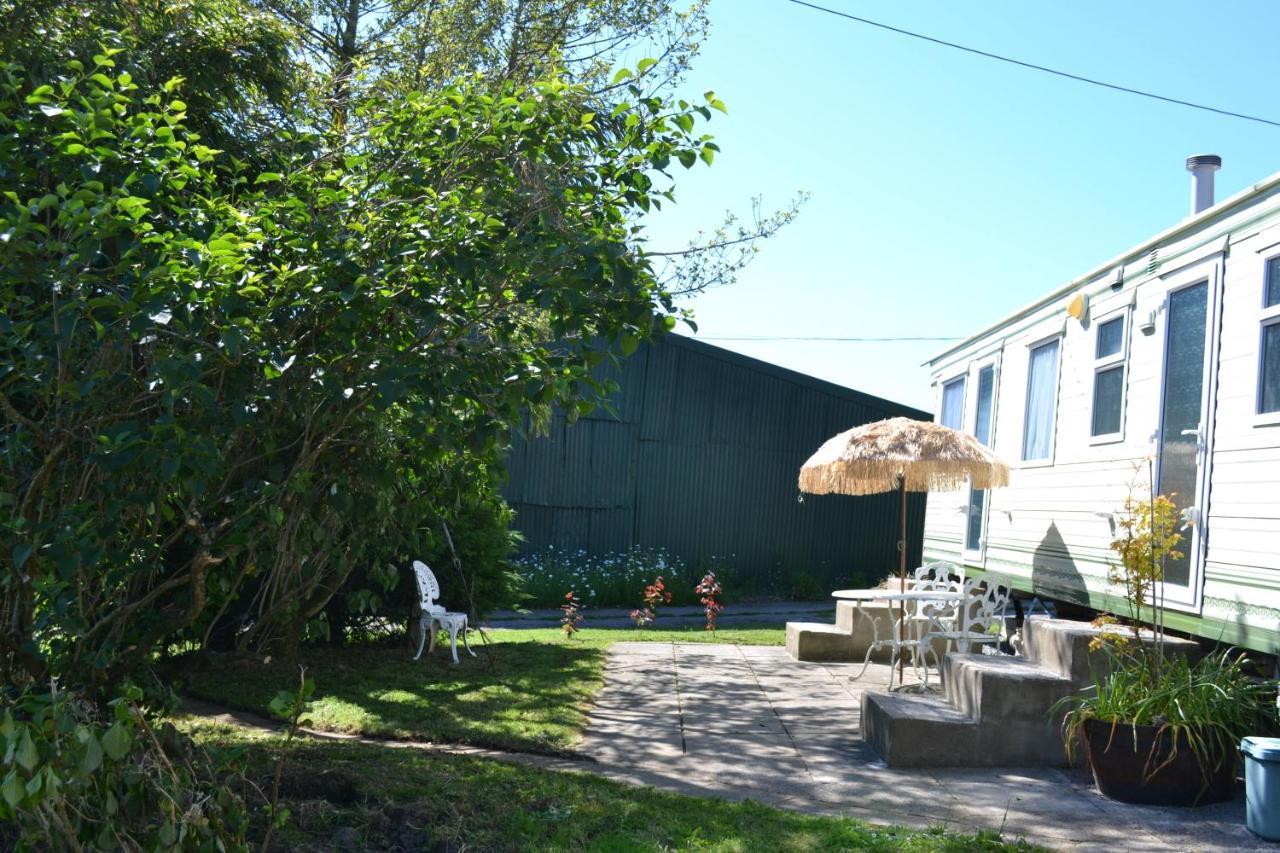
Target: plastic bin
x,y
1262,786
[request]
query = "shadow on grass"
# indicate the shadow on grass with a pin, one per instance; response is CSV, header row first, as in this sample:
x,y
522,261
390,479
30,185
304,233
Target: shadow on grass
x,y
533,697
406,799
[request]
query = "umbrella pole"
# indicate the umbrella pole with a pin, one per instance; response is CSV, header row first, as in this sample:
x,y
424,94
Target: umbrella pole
x,y
902,566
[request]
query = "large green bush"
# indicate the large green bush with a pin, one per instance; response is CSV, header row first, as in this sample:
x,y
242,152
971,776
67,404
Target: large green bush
x,y
226,391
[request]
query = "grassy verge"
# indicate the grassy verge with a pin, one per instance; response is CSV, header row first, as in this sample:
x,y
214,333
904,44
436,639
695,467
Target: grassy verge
x,y
344,795
528,690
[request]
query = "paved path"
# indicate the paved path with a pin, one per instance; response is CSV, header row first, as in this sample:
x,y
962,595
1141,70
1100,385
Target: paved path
x,y
749,722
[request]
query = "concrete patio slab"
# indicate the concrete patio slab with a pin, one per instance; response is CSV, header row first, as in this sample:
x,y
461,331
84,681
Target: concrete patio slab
x,y
749,722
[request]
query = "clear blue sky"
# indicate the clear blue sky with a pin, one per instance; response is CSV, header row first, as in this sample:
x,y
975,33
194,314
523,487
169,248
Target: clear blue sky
x,y
949,190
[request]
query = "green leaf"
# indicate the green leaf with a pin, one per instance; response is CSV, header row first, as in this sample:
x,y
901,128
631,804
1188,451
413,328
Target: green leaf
x,y
116,741
91,760
267,177
629,344
645,64
686,158
11,789
27,755
623,74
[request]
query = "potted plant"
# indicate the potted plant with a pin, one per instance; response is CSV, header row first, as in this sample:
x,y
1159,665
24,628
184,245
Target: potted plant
x,y
1157,728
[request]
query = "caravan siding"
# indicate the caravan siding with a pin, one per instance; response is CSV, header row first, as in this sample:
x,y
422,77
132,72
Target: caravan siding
x,y
1050,530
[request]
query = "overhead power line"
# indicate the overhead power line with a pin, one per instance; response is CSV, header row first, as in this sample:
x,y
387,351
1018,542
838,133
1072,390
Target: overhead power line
x,y
1033,66
817,338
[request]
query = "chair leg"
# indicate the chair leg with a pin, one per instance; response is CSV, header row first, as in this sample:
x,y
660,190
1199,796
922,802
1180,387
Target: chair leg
x,y
423,627
453,640
465,630
432,630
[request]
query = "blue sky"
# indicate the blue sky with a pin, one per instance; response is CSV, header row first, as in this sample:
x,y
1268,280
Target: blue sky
x,y
949,190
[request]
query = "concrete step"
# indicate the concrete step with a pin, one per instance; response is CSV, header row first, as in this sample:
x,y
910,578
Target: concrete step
x,y
996,710
1062,645
998,687
856,619
847,640
817,641
909,730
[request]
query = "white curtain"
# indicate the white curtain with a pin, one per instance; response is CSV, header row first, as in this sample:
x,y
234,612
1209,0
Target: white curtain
x,y
952,413
1042,397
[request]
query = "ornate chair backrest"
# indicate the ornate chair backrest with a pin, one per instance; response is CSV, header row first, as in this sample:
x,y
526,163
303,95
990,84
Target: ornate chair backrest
x,y
987,606
942,570
428,586
940,610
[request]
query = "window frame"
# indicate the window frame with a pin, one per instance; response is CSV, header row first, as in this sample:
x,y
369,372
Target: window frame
x,y
962,378
978,555
1268,315
1057,337
1104,363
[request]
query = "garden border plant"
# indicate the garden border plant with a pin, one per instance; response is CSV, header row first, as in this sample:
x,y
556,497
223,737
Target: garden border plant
x,y
1159,728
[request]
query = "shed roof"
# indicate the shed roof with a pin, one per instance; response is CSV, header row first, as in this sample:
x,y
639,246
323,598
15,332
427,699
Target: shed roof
x,y
746,362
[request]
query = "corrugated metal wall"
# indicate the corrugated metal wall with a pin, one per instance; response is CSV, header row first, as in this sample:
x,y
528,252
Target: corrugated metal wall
x,y
701,458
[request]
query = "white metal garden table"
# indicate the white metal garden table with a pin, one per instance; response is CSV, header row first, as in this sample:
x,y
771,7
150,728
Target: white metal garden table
x,y
903,597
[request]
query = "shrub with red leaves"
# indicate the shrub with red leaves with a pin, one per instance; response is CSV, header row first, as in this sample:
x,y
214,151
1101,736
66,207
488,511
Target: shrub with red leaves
x,y
571,621
709,588
654,594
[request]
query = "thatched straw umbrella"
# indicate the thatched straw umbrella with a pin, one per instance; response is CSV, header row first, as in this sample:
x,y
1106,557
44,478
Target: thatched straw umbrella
x,y
901,455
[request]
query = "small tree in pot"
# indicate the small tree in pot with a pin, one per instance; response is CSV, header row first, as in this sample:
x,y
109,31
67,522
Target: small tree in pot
x,y
1159,729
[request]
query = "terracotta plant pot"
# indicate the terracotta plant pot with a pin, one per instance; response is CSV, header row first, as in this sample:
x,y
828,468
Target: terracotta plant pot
x,y
1122,770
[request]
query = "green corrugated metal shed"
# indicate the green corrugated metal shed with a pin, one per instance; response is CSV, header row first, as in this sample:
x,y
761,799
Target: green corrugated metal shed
x,y
700,457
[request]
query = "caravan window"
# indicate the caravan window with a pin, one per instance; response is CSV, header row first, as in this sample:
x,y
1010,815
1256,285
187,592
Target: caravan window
x,y
952,412
1269,345
1042,401
1108,378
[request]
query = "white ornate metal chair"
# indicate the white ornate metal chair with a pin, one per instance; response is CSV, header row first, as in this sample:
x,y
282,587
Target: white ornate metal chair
x,y
434,617
981,618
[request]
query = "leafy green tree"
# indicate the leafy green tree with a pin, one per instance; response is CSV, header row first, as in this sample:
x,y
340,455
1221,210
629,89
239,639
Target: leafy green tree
x,y
243,81
378,50
213,392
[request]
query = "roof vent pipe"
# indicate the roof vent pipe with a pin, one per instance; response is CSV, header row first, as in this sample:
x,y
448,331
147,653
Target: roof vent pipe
x,y
1202,167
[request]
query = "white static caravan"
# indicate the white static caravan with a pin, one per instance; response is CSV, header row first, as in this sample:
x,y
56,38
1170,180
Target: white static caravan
x,y
1170,353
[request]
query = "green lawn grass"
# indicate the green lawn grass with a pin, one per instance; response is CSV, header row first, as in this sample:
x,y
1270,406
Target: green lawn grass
x,y
382,798
527,690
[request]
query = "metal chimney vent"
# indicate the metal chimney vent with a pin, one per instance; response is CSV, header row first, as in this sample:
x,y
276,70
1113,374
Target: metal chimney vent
x,y
1202,167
